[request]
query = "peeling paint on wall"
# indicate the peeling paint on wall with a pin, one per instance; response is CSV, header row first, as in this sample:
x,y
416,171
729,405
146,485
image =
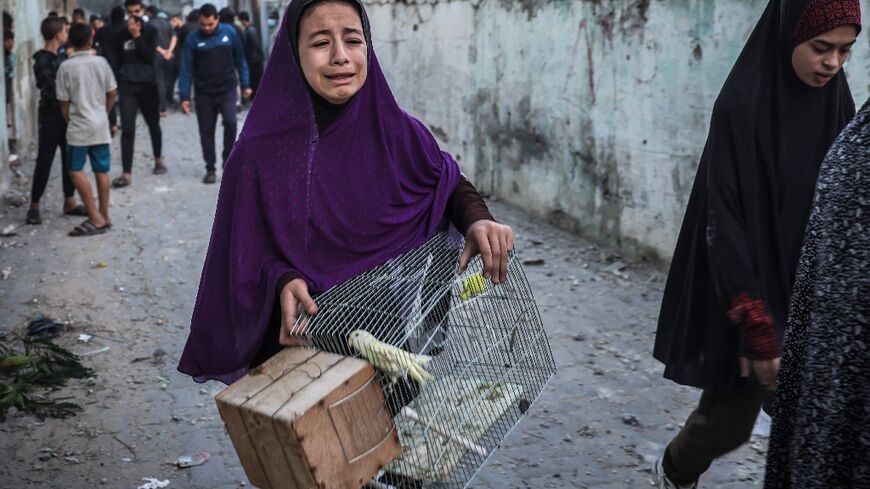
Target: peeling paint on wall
x,y
589,113
27,15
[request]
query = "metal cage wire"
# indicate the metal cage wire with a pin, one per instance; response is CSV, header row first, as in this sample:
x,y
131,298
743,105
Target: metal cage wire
x,y
489,356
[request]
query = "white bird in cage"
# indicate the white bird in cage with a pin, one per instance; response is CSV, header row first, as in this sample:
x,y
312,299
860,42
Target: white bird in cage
x,y
393,361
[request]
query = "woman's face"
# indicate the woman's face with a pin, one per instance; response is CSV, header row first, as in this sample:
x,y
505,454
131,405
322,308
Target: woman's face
x,y
816,61
333,51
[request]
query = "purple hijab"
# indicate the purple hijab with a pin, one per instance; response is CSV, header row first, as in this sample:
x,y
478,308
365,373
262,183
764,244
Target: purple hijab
x,y
325,206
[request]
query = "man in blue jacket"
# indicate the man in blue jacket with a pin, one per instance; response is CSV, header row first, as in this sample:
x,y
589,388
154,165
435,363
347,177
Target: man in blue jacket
x,y
210,59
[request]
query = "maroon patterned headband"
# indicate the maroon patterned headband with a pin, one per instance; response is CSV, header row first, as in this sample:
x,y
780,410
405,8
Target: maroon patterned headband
x,y
821,16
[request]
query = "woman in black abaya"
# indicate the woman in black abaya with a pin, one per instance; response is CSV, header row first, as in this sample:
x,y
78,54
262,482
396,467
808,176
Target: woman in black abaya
x,y
725,303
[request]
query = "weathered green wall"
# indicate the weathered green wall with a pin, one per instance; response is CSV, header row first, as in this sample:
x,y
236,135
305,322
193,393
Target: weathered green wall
x,y
589,113
27,15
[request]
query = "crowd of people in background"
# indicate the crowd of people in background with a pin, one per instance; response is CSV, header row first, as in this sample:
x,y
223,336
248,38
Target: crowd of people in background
x,y
214,58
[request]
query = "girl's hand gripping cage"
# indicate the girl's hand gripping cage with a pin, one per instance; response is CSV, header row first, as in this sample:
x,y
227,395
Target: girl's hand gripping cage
x,y
482,347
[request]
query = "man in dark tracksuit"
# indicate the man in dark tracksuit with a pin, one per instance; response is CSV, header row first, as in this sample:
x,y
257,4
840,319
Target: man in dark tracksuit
x,y
211,57
135,48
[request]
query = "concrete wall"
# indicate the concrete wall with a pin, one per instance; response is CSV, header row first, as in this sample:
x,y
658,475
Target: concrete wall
x,y
27,15
589,113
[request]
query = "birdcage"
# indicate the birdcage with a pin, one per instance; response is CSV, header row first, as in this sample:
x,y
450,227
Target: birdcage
x,y
484,346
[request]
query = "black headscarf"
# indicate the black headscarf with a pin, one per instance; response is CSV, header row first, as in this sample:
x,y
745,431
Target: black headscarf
x,y
748,209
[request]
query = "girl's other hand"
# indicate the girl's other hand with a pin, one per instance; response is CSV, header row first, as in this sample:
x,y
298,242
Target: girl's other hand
x,y
293,296
494,242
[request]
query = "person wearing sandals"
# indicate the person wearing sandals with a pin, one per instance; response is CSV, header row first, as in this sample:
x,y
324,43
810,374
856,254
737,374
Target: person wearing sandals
x,y
86,89
726,300
135,49
52,128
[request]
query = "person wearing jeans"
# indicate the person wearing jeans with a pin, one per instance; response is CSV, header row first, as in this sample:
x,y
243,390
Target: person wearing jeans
x,y
211,57
726,300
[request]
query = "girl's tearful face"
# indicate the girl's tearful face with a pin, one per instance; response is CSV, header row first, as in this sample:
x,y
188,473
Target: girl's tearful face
x,y
333,51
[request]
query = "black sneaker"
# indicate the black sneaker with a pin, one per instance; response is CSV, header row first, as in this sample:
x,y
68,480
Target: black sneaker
x,y
209,177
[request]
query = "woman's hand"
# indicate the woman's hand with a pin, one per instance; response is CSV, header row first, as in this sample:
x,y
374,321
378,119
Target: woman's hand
x,y
765,370
294,295
493,241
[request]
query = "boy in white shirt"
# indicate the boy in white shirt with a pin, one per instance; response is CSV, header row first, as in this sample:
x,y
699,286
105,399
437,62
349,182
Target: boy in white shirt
x,y
86,89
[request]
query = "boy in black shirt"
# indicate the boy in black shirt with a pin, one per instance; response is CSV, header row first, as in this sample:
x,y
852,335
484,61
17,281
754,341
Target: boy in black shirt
x,y
52,127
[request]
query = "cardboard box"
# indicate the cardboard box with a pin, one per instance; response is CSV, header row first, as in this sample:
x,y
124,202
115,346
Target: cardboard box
x,y
309,419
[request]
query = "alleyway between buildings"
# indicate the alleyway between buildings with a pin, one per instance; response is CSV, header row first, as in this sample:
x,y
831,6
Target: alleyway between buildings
x,y
600,422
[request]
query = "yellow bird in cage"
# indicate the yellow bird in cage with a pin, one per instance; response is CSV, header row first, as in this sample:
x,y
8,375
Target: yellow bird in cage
x,y
473,286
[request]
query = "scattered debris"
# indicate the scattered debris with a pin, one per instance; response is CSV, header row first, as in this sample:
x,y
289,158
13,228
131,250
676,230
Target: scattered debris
x,y
6,273
156,358
128,447
152,483
84,337
630,420
758,447
15,198
524,405
105,337
42,366
94,352
607,256
43,328
616,268
192,460
100,264
531,262
8,231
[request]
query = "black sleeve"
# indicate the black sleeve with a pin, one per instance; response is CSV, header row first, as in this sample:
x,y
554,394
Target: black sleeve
x,y
729,255
44,73
146,44
118,48
466,206
257,44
